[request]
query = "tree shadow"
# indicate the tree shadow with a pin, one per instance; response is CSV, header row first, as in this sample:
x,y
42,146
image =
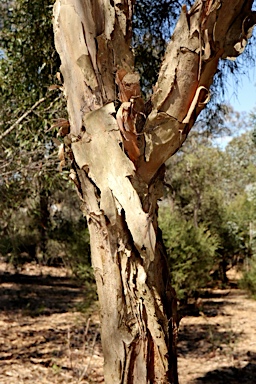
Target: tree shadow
x,y
37,330
208,309
206,304
229,375
207,338
44,346
40,345
34,295
203,339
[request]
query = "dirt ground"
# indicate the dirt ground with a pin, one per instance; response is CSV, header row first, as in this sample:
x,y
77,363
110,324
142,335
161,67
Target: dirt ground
x,y
45,338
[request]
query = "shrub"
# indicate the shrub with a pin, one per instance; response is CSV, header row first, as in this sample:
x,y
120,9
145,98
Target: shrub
x,y
191,253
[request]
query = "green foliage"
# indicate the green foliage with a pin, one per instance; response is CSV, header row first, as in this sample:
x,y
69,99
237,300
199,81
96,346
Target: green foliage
x,y
30,61
28,68
28,157
191,253
215,189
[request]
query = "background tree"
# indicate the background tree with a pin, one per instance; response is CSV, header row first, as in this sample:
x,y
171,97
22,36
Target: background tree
x,y
192,254
26,149
120,192
32,106
204,190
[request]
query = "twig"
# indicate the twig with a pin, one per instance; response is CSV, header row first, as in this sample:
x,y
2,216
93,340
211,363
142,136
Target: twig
x,y
84,372
69,349
86,334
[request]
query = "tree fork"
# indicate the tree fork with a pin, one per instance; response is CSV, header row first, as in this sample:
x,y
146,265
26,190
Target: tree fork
x,y
119,172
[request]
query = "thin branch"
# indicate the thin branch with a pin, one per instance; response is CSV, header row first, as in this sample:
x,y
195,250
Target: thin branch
x,y
14,125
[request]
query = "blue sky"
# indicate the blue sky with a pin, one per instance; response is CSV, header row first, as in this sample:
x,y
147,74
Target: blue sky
x,y
243,96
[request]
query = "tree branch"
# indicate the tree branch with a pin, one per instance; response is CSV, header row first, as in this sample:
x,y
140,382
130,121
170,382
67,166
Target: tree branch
x,y
14,125
209,31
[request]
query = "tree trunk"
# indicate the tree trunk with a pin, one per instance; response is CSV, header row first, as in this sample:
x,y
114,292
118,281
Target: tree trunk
x,y
138,307
44,217
118,146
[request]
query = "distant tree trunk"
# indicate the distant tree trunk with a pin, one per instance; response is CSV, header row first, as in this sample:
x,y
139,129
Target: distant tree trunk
x,y
43,224
118,146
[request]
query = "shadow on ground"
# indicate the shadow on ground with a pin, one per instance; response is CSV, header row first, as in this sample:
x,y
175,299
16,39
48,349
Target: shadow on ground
x,y
41,295
210,308
204,339
42,346
229,375
44,336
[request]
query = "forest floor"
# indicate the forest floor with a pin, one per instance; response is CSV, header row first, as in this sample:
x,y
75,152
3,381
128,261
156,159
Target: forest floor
x,y
46,339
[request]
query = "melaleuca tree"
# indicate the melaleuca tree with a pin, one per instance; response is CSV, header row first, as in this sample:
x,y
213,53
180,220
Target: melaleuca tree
x,y
119,146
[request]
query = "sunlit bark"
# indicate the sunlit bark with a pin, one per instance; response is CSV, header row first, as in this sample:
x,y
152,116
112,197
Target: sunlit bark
x,y
118,147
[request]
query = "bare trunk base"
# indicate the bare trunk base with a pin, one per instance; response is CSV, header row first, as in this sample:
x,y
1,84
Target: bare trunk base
x,y
138,306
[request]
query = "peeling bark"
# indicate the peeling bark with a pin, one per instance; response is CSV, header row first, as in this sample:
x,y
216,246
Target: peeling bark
x,y
209,31
118,150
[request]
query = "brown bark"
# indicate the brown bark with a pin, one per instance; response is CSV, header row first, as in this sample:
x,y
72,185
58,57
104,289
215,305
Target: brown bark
x,y
118,156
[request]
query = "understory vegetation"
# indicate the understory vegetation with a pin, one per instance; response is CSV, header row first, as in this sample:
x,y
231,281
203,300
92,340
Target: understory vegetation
x,y
208,214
